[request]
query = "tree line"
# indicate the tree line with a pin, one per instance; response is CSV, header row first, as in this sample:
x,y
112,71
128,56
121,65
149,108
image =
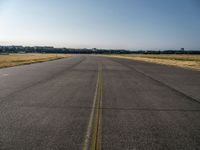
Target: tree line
x,y
21,49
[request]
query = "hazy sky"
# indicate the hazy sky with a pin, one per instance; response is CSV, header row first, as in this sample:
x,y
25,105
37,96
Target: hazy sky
x,y
129,24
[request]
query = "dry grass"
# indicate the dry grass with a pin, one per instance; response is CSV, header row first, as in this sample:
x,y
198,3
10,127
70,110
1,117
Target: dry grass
x,y
185,61
19,59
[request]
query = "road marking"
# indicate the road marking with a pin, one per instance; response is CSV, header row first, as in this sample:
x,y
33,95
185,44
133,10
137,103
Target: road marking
x,y
93,135
3,75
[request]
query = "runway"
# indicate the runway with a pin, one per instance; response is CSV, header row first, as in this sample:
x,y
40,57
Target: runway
x,y
94,102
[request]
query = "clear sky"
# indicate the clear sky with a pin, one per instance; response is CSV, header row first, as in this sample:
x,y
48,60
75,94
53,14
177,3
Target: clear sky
x,y
128,24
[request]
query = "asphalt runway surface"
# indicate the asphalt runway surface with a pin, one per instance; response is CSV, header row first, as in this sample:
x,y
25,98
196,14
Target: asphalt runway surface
x,y
92,102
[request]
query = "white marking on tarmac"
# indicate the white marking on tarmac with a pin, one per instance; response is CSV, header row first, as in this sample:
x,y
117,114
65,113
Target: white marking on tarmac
x,y
3,75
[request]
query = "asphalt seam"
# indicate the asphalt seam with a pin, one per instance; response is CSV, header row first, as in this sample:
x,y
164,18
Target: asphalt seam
x,y
189,97
147,109
56,75
109,108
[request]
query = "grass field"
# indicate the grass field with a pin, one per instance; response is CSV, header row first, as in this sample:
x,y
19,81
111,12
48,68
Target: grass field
x,y
185,61
19,59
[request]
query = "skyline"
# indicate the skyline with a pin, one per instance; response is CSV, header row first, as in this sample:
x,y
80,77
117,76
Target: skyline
x,y
109,24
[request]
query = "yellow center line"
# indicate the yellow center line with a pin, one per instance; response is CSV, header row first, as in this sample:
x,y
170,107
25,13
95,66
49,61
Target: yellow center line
x,y
93,135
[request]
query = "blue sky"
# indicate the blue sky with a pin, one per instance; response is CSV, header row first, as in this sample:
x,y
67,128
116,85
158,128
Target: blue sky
x,y
128,24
